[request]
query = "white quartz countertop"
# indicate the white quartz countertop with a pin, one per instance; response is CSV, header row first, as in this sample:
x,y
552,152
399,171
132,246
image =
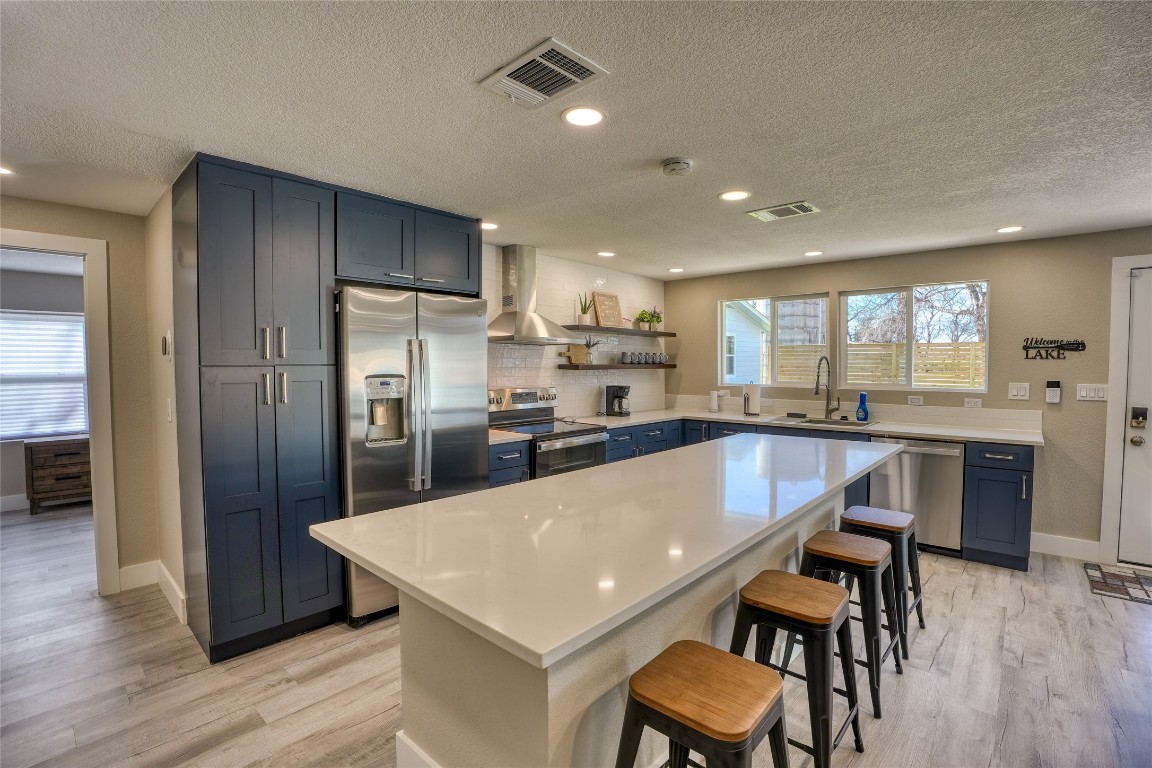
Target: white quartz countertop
x,y
500,436
542,568
958,433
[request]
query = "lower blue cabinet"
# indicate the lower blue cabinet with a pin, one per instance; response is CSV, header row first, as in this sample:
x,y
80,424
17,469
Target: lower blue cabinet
x,y
694,432
508,463
997,527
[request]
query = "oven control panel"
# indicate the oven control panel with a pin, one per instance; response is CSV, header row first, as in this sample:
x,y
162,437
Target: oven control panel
x,y
515,398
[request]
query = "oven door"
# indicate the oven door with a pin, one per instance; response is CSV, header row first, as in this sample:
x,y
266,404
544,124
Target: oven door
x,y
568,454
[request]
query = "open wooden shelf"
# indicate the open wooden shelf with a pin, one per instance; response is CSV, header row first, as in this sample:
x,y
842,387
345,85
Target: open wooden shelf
x,y
611,366
619,331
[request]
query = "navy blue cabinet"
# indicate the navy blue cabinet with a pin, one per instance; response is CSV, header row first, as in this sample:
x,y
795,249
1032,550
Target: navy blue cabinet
x,y
508,463
375,240
997,526
266,270
241,527
308,487
630,442
718,429
447,252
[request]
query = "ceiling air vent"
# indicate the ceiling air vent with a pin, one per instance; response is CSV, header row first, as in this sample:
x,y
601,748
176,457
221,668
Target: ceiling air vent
x,y
784,211
543,73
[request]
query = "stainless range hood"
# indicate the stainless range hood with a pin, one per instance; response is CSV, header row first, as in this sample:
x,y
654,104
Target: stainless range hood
x,y
518,322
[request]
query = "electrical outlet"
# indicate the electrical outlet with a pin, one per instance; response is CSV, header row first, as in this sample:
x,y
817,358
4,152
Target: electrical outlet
x,y
973,402
1094,392
915,399
1017,391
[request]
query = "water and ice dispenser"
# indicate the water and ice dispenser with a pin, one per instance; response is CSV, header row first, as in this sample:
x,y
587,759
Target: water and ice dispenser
x,y
385,400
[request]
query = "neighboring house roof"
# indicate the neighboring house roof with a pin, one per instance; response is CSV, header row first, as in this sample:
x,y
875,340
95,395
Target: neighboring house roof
x,y
752,313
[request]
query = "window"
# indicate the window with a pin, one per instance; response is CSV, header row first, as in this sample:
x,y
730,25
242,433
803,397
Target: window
x,y
43,388
921,337
773,341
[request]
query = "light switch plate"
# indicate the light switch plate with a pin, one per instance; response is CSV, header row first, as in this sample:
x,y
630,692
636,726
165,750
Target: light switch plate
x,y
1093,392
973,402
1017,391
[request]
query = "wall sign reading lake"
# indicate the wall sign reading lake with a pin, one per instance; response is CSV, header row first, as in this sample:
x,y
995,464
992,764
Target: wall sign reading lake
x,y
1036,348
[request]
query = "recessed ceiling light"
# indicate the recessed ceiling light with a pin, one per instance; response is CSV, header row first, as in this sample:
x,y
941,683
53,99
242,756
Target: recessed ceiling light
x,y
676,269
1006,230
487,225
736,194
814,253
583,116
605,254
5,171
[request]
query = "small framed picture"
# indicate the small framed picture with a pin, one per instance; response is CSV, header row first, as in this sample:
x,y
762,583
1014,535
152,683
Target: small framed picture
x,y
607,309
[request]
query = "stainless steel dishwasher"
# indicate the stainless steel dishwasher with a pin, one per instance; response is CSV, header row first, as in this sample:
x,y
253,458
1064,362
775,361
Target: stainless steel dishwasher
x,y
927,480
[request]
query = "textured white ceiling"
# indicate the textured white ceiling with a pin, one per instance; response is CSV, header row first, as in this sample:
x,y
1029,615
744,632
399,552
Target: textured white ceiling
x,y
910,125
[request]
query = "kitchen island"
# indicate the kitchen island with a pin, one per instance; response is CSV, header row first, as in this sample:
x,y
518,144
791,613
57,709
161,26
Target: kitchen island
x,y
524,609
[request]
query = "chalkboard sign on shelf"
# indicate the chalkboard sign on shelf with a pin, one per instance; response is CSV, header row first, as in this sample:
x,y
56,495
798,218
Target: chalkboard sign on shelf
x,y
607,310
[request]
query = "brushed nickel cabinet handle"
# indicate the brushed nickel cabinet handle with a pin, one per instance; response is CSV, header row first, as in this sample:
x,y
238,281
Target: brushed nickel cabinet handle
x,y
1024,486
430,279
267,389
284,388
506,456
267,351
283,340
1000,456
399,274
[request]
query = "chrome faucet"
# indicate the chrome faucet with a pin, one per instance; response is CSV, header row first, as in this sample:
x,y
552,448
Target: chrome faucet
x,y
828,409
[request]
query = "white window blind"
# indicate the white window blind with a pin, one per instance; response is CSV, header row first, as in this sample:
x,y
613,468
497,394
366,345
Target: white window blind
x,y
43,387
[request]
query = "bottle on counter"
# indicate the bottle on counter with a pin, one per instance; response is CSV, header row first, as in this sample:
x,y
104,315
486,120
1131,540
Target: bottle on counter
x,y
862,408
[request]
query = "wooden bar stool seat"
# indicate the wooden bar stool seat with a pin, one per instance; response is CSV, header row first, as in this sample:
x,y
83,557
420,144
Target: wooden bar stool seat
x,y
827,555
707,701
818,612
899,530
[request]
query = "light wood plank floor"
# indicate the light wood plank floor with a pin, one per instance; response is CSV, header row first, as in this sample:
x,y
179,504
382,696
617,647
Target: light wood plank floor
x,y
1014,669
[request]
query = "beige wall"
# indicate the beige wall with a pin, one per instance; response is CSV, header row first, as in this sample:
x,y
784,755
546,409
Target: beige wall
x,y
132,439
158,246
1055,288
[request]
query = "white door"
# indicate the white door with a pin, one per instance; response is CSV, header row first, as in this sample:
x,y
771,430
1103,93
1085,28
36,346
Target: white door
x,y
1136,492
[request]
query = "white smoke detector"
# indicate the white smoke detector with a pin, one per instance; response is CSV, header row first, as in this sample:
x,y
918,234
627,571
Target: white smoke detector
x,y
677,166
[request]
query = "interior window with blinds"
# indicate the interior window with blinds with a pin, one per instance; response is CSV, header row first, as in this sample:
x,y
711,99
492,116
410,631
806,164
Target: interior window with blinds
x,y
917,337
43,385
773,340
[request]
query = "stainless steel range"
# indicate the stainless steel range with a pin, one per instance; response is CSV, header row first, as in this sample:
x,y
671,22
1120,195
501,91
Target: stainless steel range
x,y
558,445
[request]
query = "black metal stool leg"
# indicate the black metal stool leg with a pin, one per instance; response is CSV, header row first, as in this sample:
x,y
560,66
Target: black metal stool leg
x,y
900,572
778,741
677,754
914,570
765,639
890,611
819,661
741,630
630,735
870,600
848,666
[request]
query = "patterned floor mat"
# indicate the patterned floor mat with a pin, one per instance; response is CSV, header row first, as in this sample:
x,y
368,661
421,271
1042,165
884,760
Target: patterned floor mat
x,y
1121,582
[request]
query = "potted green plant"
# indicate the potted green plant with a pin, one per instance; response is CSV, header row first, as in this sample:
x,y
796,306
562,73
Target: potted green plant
x,y
585,309
649,319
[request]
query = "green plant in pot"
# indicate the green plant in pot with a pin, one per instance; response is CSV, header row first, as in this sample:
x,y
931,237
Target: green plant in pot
x,y
649,319
585,309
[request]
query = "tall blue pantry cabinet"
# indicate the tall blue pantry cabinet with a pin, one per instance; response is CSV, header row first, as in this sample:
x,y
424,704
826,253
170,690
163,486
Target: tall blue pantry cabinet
x,y
254,347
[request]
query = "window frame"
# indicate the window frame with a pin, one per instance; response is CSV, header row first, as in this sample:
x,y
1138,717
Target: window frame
x,y
773,326
910,335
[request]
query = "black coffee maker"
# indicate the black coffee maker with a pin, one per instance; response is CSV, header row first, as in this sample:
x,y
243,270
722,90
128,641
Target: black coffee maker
x,y
616,400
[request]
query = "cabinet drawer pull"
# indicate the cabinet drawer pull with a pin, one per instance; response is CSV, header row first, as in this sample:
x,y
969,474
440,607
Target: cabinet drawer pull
x,y
506,456
264,334
653,433
622,438
1000,456
729,432
430,279
399,274
68,453
68,477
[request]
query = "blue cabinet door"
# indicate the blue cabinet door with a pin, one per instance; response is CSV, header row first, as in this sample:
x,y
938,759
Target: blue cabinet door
x,y
241,519
508,463
374,240
447,252
694,432
997,525
718,429
785,431
234,256
621,445
308,484
303,273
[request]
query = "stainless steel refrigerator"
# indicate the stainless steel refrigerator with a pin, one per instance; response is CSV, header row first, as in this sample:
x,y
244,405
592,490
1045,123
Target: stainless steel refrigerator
x,y
414,375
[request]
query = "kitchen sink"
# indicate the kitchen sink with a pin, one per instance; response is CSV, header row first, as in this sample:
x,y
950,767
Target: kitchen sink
x,y
829,422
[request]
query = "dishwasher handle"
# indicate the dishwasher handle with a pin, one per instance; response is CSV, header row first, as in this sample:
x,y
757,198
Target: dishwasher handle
x,y
934,451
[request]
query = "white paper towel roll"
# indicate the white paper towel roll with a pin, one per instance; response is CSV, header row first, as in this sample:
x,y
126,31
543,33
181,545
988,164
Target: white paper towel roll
x,y
752,399
713,402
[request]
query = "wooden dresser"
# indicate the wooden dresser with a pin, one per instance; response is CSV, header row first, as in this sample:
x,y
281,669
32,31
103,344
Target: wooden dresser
x,y
57,469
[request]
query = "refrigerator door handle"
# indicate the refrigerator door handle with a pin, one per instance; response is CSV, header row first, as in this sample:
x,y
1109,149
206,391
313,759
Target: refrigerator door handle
x,y
426,407
414,448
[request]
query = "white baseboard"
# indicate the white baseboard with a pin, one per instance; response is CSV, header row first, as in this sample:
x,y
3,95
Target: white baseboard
x,y
172,591
15,501
138,575
154,572
408,755
1079,549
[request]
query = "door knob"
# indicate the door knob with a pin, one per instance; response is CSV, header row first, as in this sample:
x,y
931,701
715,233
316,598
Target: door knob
x,y
1136,440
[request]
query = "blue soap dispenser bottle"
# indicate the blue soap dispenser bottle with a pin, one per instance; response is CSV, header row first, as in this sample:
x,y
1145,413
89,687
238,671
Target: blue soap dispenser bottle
x,y
862,408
